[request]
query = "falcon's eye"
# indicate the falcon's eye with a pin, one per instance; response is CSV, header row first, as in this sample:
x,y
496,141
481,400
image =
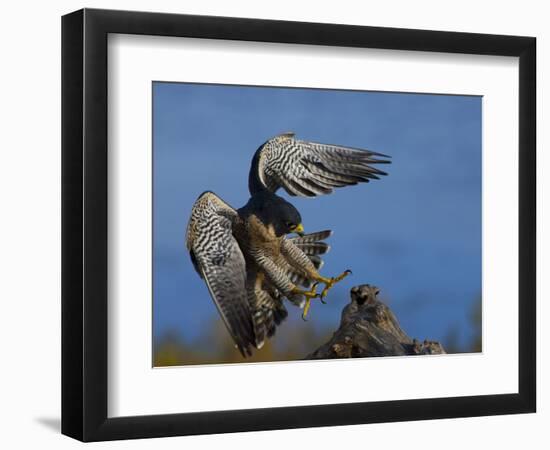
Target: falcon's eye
x,y
290,225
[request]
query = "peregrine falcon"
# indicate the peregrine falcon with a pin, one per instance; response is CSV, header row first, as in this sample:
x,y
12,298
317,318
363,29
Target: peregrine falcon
x,y
245,257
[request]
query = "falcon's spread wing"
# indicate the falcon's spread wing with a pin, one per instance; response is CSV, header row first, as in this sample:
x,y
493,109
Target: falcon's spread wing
x,y
219,261
308,168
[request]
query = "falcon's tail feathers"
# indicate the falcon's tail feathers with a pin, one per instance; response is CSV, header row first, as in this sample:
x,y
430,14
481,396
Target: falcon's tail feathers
x,y
311,244
311,238
265,321
268,315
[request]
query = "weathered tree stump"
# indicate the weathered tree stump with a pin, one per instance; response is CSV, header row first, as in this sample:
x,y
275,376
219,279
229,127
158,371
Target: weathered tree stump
x,y
369,328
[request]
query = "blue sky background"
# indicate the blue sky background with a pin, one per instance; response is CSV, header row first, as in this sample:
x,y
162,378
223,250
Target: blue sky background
x,y
415,233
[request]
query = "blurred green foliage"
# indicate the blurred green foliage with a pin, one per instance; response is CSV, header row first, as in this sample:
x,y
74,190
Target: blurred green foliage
x,y
291,342
214,346
452,342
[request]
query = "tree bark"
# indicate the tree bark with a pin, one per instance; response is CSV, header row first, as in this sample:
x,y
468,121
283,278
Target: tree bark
x,y
369,328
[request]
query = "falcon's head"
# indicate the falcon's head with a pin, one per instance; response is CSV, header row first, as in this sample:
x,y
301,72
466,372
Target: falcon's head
x,y
276,212
287,220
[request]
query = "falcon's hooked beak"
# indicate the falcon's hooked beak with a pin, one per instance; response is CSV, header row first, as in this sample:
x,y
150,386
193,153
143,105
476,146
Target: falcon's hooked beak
x,y
298,229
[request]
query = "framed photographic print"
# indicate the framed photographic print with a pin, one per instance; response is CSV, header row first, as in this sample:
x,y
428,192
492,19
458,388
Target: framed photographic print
x,y
211,163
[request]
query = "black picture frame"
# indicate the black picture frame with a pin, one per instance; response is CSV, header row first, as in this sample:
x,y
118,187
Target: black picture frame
x,y
84,224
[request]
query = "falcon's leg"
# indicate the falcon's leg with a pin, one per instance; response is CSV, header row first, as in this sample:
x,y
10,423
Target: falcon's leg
x,y
299,260
280,280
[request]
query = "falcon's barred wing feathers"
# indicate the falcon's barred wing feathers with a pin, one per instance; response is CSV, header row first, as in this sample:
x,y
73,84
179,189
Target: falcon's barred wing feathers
x,y
308,169
218,259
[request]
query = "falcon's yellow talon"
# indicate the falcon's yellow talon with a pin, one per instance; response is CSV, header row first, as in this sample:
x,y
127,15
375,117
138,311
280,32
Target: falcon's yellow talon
x,y
330,282
306,309
312,293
